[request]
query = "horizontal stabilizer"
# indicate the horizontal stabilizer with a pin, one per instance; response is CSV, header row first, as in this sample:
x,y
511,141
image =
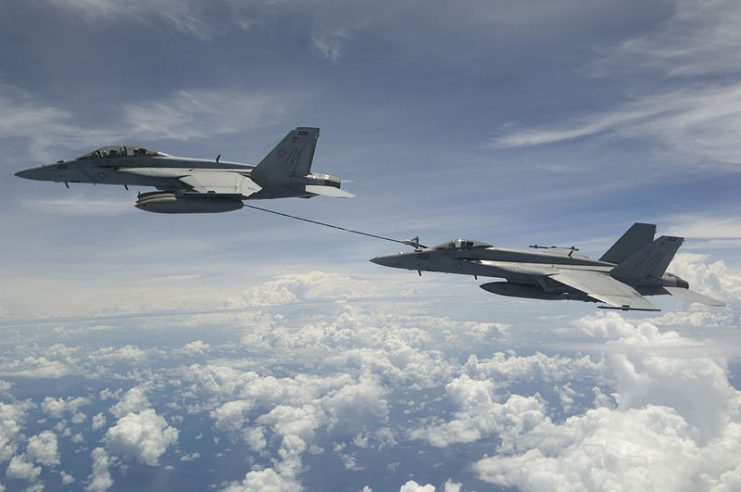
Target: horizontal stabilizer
x,y
328,191
691,296
635,239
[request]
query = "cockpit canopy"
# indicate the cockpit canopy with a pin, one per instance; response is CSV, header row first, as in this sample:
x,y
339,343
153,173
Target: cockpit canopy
x,y
462,245
121,151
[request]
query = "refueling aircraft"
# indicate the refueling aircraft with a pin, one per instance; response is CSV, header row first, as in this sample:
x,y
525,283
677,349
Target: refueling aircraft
x,y
634,267
191,185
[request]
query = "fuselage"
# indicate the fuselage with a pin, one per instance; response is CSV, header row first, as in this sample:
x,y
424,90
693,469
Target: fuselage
x,y
530,266
164,171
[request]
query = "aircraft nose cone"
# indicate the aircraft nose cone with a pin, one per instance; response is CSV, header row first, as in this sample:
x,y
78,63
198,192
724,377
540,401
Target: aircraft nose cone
x,y
31,173
380,260
399,260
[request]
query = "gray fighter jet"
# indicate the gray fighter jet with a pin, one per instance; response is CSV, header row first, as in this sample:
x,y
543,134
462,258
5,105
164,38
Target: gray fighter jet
x,y
188,185
632,268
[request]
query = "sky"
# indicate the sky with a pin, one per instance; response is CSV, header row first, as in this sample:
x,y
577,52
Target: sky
x,y
244,351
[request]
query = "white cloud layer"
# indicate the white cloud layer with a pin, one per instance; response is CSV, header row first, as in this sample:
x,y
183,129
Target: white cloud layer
x,y
675,427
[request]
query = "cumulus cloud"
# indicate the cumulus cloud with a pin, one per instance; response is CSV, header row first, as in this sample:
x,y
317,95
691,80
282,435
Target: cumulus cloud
x,y
133,400
11,424
714,279
56,407
307,287
42,448
144,436
67,479
479,415
357,406
696,387
282,477
196,347
231,416
451,486
100,478
21,469
98,422
363,379
412,486
675,425
35,367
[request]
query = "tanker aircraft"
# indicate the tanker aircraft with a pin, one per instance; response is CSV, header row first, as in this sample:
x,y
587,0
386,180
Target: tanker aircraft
x,y
634,267
188,185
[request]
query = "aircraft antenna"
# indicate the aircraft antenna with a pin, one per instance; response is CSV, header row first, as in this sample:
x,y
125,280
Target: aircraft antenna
x,y
414,242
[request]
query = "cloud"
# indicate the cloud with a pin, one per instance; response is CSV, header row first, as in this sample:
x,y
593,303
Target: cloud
x,y
57,407
183,115
132,401
12,417
20,469
181,16
357,406
698,39
694,125
79,205
42,448
676,424
36,366
144,436
282,477
696,120
308,287
714,279
697,388
100,478
366,381
293,421
67,479
451,486
704,226
479,415
412,486
197,347
232,416
196,113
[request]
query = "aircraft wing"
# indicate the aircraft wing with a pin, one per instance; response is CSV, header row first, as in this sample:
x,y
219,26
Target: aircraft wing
x,y
603,287
220,182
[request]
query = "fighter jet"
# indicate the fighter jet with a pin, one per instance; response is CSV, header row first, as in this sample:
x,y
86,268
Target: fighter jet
x,y
634,267
188,185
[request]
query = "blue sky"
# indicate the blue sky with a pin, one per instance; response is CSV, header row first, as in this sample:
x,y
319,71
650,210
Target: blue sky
x,y
550,122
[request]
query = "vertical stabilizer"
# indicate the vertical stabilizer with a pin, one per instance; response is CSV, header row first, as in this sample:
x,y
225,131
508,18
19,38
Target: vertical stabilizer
x,y
635,239
291,157
651,261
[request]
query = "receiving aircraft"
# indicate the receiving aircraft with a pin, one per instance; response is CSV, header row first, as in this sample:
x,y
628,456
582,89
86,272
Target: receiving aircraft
x,y
188,185
634,267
